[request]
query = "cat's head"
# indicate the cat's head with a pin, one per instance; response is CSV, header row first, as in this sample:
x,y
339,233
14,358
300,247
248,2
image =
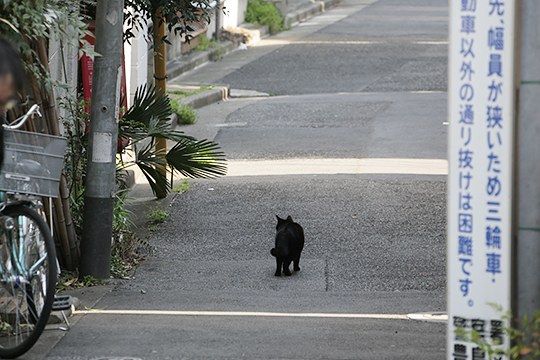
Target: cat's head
x,y
281,222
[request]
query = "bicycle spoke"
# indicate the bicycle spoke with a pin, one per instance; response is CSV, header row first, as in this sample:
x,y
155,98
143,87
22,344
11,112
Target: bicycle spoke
x,y
26,284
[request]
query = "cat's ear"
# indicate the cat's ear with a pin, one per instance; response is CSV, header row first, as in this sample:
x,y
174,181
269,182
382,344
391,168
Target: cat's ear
x,y
289,218
279,219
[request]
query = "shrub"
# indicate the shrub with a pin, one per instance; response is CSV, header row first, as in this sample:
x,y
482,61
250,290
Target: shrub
x,y
182,187
524,335
260,12
157,216
185,93
186,114
205,43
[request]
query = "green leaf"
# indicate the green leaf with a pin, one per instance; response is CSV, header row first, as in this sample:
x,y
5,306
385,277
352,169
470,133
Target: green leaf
x,y
197,159
147,104
132,129
176,13
152,163
157,181
149,118
158,128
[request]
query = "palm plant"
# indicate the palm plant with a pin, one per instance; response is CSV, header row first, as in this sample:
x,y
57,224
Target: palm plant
x,y
148,120
176,15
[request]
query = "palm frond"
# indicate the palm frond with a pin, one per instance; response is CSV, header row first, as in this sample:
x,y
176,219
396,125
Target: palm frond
x,y
157,181
149,118
197,158
147,104
152,165
158,128
134,130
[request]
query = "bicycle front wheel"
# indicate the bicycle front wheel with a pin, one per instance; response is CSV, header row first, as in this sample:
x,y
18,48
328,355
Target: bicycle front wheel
x,y
27,279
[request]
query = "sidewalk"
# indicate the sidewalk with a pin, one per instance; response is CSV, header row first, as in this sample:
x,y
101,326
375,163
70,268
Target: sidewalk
x,y
294,12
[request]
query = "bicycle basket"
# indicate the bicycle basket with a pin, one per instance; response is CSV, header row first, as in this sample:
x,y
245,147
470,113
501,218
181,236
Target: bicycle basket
x,y
33,163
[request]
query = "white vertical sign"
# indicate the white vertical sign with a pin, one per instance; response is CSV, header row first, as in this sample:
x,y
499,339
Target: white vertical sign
x,y
481,119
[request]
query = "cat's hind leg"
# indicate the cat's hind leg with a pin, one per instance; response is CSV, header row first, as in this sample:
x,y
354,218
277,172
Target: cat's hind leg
x,y
297,263
279,263
286,270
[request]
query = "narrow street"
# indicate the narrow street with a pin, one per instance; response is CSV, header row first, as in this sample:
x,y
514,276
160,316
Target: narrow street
x,y
351,142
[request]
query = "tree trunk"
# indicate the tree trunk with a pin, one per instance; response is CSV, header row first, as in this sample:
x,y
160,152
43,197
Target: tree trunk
x,y
160,73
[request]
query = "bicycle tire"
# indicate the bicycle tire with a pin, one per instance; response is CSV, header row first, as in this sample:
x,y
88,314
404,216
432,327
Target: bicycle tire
x,y
38,306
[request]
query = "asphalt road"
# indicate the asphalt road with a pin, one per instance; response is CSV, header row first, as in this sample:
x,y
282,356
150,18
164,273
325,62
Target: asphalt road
x,y
388,46
366,80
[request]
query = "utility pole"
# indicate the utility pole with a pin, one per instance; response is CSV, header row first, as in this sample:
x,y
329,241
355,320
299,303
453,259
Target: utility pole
x,y
217,33
527,292
100,178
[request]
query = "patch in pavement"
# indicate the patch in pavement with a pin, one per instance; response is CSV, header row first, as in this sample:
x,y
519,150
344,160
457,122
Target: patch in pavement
x,y
414,75
227,275
348,112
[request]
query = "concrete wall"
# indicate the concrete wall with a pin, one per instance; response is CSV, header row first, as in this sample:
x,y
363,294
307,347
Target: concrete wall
x,y
63,66
234,12
233,15
212,26
175,50
136,56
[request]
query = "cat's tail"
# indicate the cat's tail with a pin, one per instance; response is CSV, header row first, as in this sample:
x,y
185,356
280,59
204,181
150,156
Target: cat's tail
x,y
273,252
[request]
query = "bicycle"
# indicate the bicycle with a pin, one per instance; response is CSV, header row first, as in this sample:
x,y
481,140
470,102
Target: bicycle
x,y
28,267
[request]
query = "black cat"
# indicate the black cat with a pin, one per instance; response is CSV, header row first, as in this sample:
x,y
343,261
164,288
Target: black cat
x,y
289,245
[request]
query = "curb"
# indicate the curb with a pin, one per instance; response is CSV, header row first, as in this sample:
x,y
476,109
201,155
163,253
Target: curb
x,y
208,97
218,93
179,66
184,64
307,12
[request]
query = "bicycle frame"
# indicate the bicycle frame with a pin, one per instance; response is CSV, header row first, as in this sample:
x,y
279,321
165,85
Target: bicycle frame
x,y
28,266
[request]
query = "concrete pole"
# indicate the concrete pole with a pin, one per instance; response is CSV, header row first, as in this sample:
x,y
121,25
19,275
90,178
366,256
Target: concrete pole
x,y
100,177
528,164
217,33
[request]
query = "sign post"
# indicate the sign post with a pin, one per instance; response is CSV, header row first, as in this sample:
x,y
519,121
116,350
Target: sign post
x,y
481,120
